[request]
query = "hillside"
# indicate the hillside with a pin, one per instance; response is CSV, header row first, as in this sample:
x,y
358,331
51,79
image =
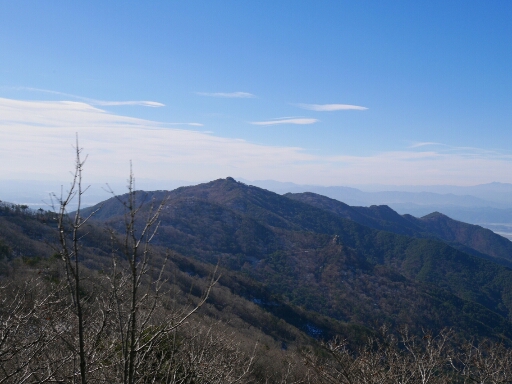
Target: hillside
x,y
332,265
468,238
28,242
292,271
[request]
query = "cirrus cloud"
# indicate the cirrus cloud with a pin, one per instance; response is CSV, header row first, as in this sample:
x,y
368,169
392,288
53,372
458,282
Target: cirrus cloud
x,y
228,95
297,121
425,144
331,107
36,139
143,103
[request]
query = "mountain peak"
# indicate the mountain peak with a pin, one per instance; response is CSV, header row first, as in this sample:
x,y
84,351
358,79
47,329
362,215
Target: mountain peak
x,y
434,215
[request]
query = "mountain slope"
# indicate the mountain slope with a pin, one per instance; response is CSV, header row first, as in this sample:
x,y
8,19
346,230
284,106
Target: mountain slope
x,y
473,236
316,259
28,243
466,237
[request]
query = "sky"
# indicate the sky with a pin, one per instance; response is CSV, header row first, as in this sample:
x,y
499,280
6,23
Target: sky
x,y
310,92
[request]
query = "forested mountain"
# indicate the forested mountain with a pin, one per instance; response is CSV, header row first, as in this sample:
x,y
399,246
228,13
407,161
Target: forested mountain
x,y
353,264
298,267
466,237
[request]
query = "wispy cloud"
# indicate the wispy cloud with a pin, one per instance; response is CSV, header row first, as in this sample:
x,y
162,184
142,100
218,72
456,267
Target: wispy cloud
x,y
36,140
37,137
228,95
143,103
331,107
425,144
103,103
298,121
188,124
462,151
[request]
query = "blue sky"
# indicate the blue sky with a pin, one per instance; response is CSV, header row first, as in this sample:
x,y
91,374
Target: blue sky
x,y
330,93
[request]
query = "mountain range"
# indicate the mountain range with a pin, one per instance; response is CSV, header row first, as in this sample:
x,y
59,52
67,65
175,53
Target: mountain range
x,y
306,264
488,205
359,265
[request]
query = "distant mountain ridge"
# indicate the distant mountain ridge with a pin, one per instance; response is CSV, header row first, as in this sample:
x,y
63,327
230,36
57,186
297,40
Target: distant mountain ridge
x,y
494,195
466,237
308,262
488,205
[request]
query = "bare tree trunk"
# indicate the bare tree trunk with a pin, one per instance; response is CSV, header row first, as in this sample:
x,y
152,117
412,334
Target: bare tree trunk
x,y
70,253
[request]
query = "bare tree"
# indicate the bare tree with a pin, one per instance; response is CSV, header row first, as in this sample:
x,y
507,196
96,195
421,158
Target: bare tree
x,y
486,362
122,319
69,227
28,333
403,359
141,293
198,354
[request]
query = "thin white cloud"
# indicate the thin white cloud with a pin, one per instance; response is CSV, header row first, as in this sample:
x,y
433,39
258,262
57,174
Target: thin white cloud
x,y
189,124
229,95
36,141
473,151
424,144
143,103
426,167
105,103
463,151
36,138
331,107
298,121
